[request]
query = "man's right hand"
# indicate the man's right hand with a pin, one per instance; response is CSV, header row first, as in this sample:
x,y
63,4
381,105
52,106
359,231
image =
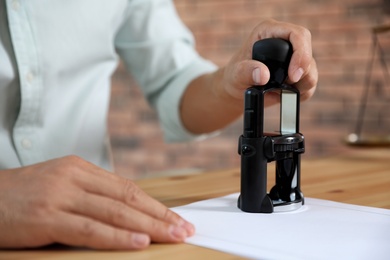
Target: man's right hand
x,y
74,202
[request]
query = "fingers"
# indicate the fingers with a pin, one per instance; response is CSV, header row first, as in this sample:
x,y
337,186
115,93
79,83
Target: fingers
x,y
118,214
302,54
308,83
242,72
80,231
300,39
73,202
124,193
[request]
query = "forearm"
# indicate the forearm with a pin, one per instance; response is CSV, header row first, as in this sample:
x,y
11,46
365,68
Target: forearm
x,y
206,107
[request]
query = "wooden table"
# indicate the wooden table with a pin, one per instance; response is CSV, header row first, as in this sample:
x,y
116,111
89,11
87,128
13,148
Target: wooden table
x,y
361,177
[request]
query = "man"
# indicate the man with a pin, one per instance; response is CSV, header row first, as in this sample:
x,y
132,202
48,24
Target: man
x,y
56,59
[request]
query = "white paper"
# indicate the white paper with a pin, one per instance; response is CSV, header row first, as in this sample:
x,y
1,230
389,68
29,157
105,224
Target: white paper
x,y
320,229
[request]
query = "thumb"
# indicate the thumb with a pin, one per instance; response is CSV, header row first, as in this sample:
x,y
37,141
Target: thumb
x,y
245,74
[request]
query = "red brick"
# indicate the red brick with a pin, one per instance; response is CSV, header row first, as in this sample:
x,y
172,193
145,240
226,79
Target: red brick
x,y
342,40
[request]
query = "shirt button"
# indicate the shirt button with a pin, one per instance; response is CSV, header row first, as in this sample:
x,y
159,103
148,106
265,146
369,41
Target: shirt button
x,y
30,77
26,143
15,5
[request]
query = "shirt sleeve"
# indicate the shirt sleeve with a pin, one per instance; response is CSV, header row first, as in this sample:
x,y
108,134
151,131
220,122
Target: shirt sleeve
x,y
158,50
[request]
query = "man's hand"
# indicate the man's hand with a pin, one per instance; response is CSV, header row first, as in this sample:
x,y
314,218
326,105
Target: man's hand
x,y
213,101
73,202
243,72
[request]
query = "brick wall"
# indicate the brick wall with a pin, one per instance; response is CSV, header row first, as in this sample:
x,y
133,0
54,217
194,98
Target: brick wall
x,y
342,38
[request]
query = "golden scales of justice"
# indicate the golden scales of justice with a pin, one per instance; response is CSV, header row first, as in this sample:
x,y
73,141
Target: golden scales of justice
x,y
358,138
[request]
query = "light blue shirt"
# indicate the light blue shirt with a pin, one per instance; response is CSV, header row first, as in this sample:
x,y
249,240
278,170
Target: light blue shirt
x,y
56,62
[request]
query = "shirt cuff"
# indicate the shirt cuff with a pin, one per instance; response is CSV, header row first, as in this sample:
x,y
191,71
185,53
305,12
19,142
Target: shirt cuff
x,y
168,105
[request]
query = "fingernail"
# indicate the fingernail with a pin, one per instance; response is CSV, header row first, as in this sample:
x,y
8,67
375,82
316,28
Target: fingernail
x,y
178,233
256,75
141,240
297,75
189,228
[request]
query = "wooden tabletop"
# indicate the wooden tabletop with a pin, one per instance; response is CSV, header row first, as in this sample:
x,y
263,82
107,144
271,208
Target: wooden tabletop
x,y
361,177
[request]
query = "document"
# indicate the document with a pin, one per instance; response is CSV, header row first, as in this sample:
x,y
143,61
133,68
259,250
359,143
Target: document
x,y
320,229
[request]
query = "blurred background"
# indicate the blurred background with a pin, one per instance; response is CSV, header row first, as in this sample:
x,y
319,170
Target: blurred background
x,y
342,36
